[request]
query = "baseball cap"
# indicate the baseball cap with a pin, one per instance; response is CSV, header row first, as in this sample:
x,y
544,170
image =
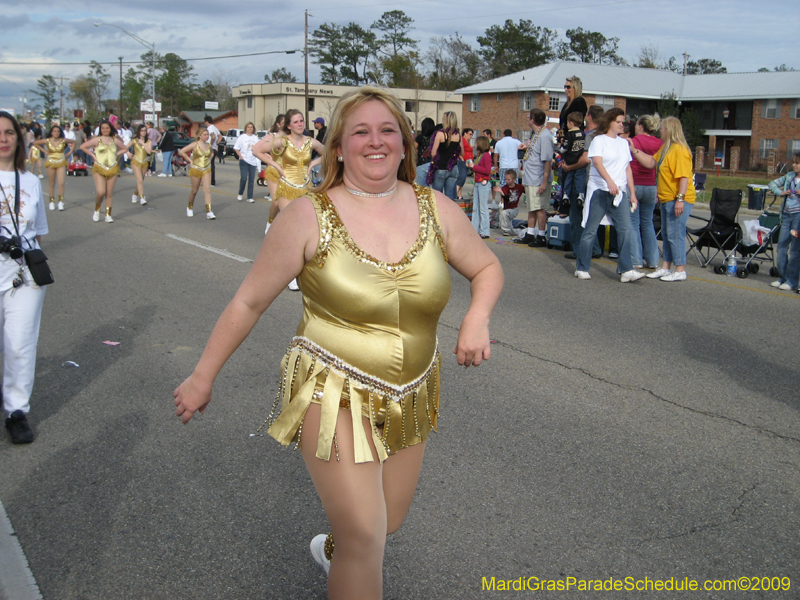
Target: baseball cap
x,y
319,120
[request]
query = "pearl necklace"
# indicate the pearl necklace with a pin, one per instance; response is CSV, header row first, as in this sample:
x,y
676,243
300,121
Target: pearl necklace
x,y
361,194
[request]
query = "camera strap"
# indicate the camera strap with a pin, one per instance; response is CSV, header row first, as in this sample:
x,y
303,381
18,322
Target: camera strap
x,y
14,214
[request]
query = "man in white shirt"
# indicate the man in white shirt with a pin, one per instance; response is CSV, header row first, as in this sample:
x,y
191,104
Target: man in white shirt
x,y
213,138
505,154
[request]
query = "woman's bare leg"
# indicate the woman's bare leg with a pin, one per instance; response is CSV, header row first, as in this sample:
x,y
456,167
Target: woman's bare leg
x,y
193,192
51,181
110,182
100,190
137,172
353,498
207,190
61,174
400,478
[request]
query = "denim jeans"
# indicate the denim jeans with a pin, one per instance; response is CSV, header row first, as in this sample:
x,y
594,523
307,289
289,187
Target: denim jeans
x,y
644,246
789,266
247,174
480,208
576,230
445,181
673,232
166,162
574,183
462,173
422,174
602,202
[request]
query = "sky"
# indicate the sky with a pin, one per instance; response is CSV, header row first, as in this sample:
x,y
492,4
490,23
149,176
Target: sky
x,y
744,35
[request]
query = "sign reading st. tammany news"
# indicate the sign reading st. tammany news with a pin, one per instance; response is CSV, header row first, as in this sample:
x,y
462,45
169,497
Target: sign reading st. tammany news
x,y
212,105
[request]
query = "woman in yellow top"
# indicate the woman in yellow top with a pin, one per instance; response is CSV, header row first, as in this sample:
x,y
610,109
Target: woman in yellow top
x,y
676,195
105,148
360,386
58,150
35,155
139,150
200,154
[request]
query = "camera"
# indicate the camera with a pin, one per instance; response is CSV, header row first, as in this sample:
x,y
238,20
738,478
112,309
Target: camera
x,y
11,246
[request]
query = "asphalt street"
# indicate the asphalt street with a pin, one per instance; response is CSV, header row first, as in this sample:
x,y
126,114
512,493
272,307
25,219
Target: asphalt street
x,y
645,430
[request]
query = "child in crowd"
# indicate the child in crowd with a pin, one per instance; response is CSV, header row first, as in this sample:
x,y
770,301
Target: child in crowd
x,y
573,185
482,168
512,192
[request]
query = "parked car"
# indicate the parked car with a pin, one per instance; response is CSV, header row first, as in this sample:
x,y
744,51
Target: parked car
x,y
230,139
180,139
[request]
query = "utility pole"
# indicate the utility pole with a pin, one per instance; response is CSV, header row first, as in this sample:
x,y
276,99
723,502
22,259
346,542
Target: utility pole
x,y
61,100
120,89
306,59
685,61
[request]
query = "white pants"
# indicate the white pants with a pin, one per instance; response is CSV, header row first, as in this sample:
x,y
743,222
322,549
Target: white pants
x,y
20,315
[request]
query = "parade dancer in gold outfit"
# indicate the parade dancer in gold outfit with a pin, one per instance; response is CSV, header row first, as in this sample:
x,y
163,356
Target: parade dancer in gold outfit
x,y
139,150
360,381
58,150
200,154
105,148
271,173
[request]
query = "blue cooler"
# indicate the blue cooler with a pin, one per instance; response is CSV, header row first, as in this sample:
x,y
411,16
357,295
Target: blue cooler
x,y
558,232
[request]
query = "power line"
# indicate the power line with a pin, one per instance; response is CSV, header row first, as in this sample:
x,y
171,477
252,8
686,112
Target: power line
x,y
138,62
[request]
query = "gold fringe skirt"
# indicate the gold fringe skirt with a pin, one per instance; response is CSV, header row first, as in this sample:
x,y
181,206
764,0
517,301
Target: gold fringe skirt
x,y
55,165
107,172
291,191
399,416
271,174
195,172
137,163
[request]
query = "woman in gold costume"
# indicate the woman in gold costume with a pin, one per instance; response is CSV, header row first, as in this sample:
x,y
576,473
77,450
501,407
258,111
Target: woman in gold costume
x,y
105,148
200,154
58,150
35,155
139,150
271,173
360,383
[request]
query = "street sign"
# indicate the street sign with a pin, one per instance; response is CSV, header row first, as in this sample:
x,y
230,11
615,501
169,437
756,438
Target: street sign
x,y
147,106
212,105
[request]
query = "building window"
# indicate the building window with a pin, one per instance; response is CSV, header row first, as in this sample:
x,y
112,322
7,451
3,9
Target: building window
x,y
411,106
607,102
498,134
771,109
310,107
499,97
249,102
792,148
527,101
474,103
795,109
556,99
764,146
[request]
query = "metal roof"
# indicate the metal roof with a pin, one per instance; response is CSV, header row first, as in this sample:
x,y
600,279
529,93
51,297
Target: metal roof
x,y
634,82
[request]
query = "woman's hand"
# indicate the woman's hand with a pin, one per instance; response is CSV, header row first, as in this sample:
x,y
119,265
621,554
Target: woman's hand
x,y
678,208
473,346
613,189
190,397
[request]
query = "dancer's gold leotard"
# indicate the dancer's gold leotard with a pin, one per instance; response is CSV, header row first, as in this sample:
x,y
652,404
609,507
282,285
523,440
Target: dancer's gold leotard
x,y
367,341
271,173
105,163
294,162
140,158
201,161
36,154
55,154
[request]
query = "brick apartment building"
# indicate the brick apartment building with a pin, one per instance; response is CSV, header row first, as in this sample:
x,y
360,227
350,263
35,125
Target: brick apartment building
x,y
758,113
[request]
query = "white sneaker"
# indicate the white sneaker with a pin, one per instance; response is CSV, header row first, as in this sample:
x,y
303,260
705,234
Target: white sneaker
x,y
266,229
170,175
129,170
210,216
60,206
776,283
109,219
41,176
658,273
162,174
250,200
142,201
134,198
52,206
318,552
785,287
189,212
632,275
239,198
293,285
582,275
676,276
96,216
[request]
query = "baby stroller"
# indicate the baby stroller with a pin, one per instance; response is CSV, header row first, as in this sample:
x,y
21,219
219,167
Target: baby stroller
x,y
180,166
763,250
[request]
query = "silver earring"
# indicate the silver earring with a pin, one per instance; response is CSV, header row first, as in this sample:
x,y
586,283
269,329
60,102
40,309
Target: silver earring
x,y
403,155
339,158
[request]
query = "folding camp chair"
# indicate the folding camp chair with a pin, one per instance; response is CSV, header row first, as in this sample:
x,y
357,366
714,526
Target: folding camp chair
x,y
722,231
700,185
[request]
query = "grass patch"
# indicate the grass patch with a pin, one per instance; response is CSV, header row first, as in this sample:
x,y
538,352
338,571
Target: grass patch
x,y
726,182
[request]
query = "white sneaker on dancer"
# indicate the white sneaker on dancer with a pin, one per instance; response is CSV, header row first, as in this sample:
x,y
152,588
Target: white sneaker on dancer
x,y
318,552
293,285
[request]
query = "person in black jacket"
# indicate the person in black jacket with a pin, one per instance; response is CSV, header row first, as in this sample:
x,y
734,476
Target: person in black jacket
x,y
575,103
167,146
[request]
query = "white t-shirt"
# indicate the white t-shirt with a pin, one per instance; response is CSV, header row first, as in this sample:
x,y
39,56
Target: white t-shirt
x,y
506,150
126,134
213,136
244,144
616,155
32,220
69,134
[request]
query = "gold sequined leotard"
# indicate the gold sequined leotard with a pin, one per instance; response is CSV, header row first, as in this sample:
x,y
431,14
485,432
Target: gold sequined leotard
x,y
105,159
55,154
367,340
201,161
294,162
140,158
36,154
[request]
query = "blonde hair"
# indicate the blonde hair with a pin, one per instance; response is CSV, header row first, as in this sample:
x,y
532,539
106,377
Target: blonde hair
x,y
333,169
650,123
450,122
200,131
673,134
577,85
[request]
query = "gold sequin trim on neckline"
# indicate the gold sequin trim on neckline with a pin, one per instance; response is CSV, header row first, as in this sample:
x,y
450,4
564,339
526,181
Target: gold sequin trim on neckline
x,y
331,226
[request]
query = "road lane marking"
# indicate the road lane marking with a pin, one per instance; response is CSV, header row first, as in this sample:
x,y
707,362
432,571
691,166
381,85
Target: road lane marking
x,y
210,248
